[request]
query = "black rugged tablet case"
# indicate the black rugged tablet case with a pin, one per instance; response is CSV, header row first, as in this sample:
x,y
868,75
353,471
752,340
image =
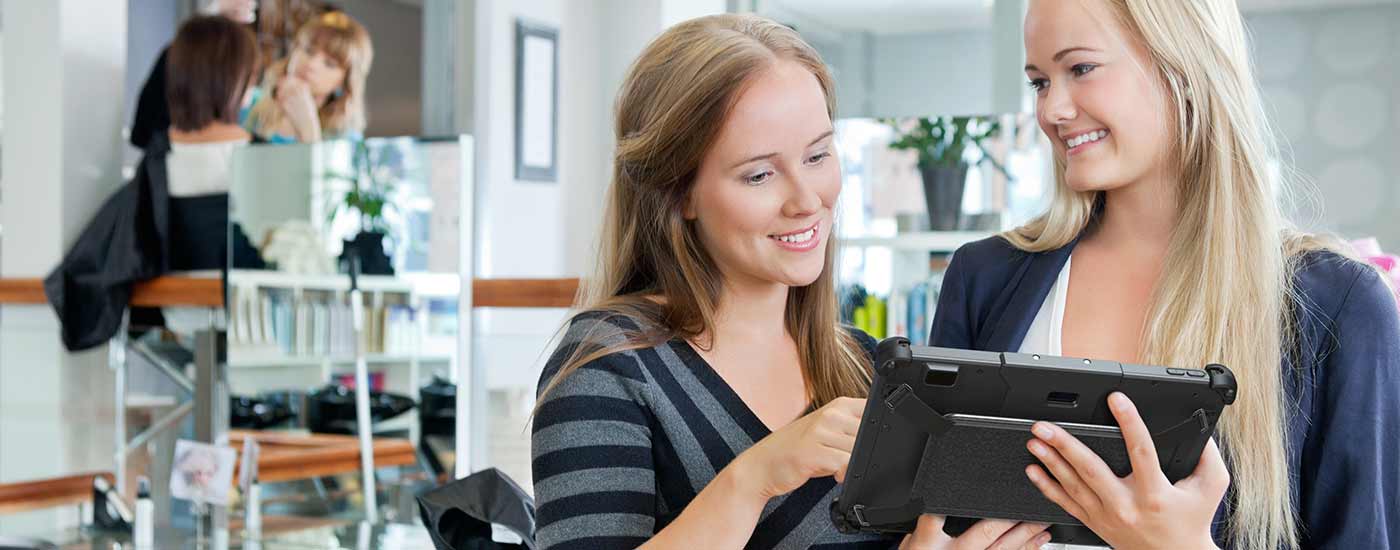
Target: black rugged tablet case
x,y
945,432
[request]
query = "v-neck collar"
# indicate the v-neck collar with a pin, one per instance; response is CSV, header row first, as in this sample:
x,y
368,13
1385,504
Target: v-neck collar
x,y
722,391
1024,295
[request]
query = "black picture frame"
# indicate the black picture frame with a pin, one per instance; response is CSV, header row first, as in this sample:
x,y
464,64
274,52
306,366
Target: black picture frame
x,y
531,41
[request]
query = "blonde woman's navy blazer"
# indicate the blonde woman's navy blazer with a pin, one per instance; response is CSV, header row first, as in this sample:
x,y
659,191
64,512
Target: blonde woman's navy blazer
x,y
1344,428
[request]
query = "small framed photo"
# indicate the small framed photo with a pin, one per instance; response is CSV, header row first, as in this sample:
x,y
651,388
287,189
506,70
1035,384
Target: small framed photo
x,y
202,473
536,102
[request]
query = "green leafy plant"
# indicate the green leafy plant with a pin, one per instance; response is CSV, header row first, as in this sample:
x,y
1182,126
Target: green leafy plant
x,y
371,186
944,141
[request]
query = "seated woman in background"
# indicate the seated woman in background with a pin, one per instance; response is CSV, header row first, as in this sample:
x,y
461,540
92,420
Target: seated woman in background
x,y
318,91
173,214
211,66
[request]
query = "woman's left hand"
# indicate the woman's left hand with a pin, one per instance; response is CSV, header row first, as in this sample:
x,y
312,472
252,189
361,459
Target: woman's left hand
x,y
1137,512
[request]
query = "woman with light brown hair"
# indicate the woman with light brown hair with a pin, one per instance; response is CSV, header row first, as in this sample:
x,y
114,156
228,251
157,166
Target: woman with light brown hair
x,y
706,396
318,91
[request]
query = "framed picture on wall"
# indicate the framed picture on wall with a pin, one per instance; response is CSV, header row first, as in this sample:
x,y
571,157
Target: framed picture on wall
x,y
536,102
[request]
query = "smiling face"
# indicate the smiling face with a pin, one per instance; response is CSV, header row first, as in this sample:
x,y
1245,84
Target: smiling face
x,y
1098,97
763,196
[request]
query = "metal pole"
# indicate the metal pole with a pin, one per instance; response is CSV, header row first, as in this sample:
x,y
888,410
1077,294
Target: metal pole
x,y
170,371
158,427
363,423
210,415
464,376
116,359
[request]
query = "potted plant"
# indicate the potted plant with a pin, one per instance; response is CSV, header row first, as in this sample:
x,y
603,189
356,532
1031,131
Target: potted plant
x,y
942,144
371,188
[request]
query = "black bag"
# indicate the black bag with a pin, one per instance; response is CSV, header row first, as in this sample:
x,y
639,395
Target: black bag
x,y
459,515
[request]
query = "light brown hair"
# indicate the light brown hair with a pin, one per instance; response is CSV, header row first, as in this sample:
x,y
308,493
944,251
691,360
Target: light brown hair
x,y
652,266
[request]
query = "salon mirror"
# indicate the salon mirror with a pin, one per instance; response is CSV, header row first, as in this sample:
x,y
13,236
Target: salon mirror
x,y
302,216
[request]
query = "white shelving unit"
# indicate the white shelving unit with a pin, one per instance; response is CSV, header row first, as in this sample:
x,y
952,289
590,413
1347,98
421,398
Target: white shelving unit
x,y
900,262
254,368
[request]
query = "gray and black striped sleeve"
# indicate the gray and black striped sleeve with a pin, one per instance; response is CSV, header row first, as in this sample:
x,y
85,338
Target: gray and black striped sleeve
x,y
595,485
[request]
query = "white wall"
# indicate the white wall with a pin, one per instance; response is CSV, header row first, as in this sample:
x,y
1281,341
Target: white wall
x,y
64,64
944,73
534,229
675,11
940,72
1332,81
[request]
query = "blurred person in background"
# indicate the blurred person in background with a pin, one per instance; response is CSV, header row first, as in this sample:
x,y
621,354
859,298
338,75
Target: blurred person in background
x,y
212,64
173,214
317,92
152,113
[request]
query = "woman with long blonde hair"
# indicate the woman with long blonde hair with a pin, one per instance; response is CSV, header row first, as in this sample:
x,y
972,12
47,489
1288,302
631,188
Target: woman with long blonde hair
x,y
1164,244
706,396
318,91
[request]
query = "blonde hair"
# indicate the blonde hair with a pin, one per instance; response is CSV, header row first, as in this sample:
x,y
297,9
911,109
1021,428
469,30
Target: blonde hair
x,y
652,265
1228,296
343,39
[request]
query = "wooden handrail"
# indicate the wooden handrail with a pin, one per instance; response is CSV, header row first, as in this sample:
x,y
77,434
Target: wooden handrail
x,y
48,493
22,291
532,293
177,290
173,290
284,457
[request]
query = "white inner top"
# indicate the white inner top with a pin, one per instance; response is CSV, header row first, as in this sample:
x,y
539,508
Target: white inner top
x,y
1044,336
195,169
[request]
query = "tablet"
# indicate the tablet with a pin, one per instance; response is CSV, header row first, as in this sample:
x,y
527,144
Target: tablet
x,y
945,431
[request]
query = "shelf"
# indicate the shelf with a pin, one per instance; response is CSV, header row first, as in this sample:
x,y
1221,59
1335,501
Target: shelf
x,y
940,241
316,361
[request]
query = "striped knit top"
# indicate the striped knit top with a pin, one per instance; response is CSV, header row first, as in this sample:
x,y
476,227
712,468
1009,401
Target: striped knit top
x,y
621,445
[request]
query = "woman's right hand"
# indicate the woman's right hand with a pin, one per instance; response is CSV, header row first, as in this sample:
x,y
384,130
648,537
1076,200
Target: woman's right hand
x,y
986,534
816,445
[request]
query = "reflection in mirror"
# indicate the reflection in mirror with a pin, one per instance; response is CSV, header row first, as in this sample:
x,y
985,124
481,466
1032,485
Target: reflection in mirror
x,y
389,208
